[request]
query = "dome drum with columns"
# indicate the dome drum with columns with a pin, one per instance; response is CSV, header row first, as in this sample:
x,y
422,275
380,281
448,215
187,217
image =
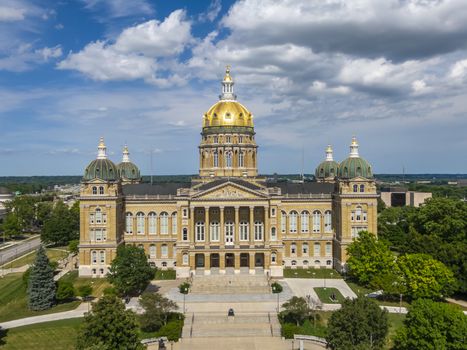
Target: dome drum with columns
x,y
228,219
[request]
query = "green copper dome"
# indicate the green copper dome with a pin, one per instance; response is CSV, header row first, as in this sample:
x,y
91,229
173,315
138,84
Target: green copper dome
x,y
354,167
327,169
103,169
128,171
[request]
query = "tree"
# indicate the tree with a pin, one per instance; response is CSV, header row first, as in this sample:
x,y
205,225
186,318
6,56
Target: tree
x,y
430,325
65,290
130,271
156,311
368,257
85,290
359,324
426,277
11,225
41,284
295,309
61,227
73,246
110,326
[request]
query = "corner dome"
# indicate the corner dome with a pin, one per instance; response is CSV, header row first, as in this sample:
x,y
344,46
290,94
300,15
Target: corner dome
x,y
101,168
354,165
328,169
128,171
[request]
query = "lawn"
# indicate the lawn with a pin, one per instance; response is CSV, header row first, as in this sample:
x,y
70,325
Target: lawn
x,y
13,300
360,290
56,335
169,274
324,294
311,273
395,322
54,254
98,284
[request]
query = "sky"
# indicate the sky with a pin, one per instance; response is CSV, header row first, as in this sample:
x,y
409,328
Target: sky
x,y
313,72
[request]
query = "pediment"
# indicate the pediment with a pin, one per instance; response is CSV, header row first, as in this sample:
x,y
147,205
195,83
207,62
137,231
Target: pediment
x,y
229,191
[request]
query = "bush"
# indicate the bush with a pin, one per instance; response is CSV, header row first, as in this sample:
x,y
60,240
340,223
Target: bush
x,y
85,290
184,288
110,291
73,246
65,290
276,288
289,329
172,330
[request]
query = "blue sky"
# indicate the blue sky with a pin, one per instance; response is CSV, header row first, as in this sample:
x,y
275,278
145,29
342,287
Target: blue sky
x,y
313,72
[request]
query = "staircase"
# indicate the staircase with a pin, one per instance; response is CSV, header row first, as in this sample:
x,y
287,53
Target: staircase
x,y
230,284
199,325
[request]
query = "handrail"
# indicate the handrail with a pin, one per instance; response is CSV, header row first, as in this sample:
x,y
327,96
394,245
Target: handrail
x,y
311,338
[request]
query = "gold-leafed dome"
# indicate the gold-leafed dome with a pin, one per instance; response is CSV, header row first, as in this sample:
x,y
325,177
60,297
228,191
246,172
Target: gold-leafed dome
x,y
228,113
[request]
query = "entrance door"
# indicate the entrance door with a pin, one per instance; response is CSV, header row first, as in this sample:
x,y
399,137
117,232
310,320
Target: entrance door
x,y
244,260
259,260
229,260
199,260
214,260
229,233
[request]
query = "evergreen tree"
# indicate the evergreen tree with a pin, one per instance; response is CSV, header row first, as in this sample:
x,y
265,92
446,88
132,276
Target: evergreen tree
x,y
41,284
110,326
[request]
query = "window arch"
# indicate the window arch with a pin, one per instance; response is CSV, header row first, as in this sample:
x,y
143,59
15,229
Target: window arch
x,y
273,258
316,221
101,190
129,223
358,213
215,159
305,262
327,221
259,229
152,223
273,234
294,263
293,221
94,257
228,159
229,232
283,221
244,231
317,249
305,250
164,220
140,223
214,231
164,251
355,188
174,223
152,251
293,248
328,248
305,221
98,214
94,190
200,231
362,188
102,257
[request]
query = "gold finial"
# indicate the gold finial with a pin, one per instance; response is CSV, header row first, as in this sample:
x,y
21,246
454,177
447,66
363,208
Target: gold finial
x,y
101,141
354,140
227,69
227,77
329,148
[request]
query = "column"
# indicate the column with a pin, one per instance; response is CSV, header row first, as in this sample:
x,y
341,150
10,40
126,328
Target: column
x,y
207,264
267,232
221,262
237,262
206,224
191,228
252,224
237,225
221,228
252,262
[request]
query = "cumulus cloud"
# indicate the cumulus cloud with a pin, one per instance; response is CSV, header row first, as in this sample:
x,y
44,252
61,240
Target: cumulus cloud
x,y
212,12
50,52
11,14
118,8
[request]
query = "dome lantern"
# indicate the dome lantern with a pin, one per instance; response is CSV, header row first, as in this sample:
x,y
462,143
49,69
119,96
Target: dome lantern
x,y
329,157
101,149
101,168
227,87
354,148
128,172
327,170
354,165
126,155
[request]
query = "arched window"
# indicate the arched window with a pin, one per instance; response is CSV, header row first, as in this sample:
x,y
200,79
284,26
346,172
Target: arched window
x,y
316,221
355,188
244,231
215,159
259,228
362,188
241,159
200,231
102,257
214,231
94,257
229,232
94,190
305,262
129,223
185,259
101,190
293,248
228,159
305,248
98,216
174,223
273,258
317,249
327,221
294,263
185,234
364,216
140,223
92,218
293,221
283,221
305,221
328,248
152,251
273,234
358,213
152,223
164,220
164,250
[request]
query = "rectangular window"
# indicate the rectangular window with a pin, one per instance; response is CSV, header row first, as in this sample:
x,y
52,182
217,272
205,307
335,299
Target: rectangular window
x,y
305,222
164,219
152,251
283,222
200,232
152,223
174,224
185,234
164,250
214,231
317,251
273,212
102,257
244,231
91,218
185,259
328,248
258,231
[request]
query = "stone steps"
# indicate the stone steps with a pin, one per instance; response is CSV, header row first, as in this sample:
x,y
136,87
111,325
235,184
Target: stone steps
x,y
230,284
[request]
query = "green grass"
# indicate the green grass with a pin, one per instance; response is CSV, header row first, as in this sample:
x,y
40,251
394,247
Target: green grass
x,y
311,273
169,274
324,294
395,322
14,303
55,335
54,254
98,284
362,291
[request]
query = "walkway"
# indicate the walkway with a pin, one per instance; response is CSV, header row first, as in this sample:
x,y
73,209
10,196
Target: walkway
x,y
19,249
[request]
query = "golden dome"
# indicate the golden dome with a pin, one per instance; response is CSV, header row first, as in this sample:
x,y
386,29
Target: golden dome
x,y
228,113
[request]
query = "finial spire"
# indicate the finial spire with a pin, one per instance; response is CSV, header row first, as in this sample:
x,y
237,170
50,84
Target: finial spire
x,y
227,86
126,155
101,149
354,148
329,157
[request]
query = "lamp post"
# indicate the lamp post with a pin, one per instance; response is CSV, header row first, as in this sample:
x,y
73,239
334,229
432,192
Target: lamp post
x,y
400,303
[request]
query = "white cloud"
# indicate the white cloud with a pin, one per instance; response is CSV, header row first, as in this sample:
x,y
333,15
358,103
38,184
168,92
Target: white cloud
x,y
458,70
50,52
11,14
118,8
212,11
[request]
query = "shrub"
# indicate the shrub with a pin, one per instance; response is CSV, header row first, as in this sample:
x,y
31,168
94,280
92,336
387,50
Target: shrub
x,y
276,287
289,329
85,290
110,291
184,288
65,290
171,330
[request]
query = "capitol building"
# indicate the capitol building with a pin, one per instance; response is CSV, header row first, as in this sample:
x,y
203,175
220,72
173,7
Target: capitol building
x,y
228,219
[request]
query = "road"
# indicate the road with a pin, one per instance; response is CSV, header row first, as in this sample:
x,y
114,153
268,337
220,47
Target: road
x,y
18,249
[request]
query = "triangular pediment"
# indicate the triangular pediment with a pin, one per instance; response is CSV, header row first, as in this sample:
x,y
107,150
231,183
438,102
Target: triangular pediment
x,y
229,190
